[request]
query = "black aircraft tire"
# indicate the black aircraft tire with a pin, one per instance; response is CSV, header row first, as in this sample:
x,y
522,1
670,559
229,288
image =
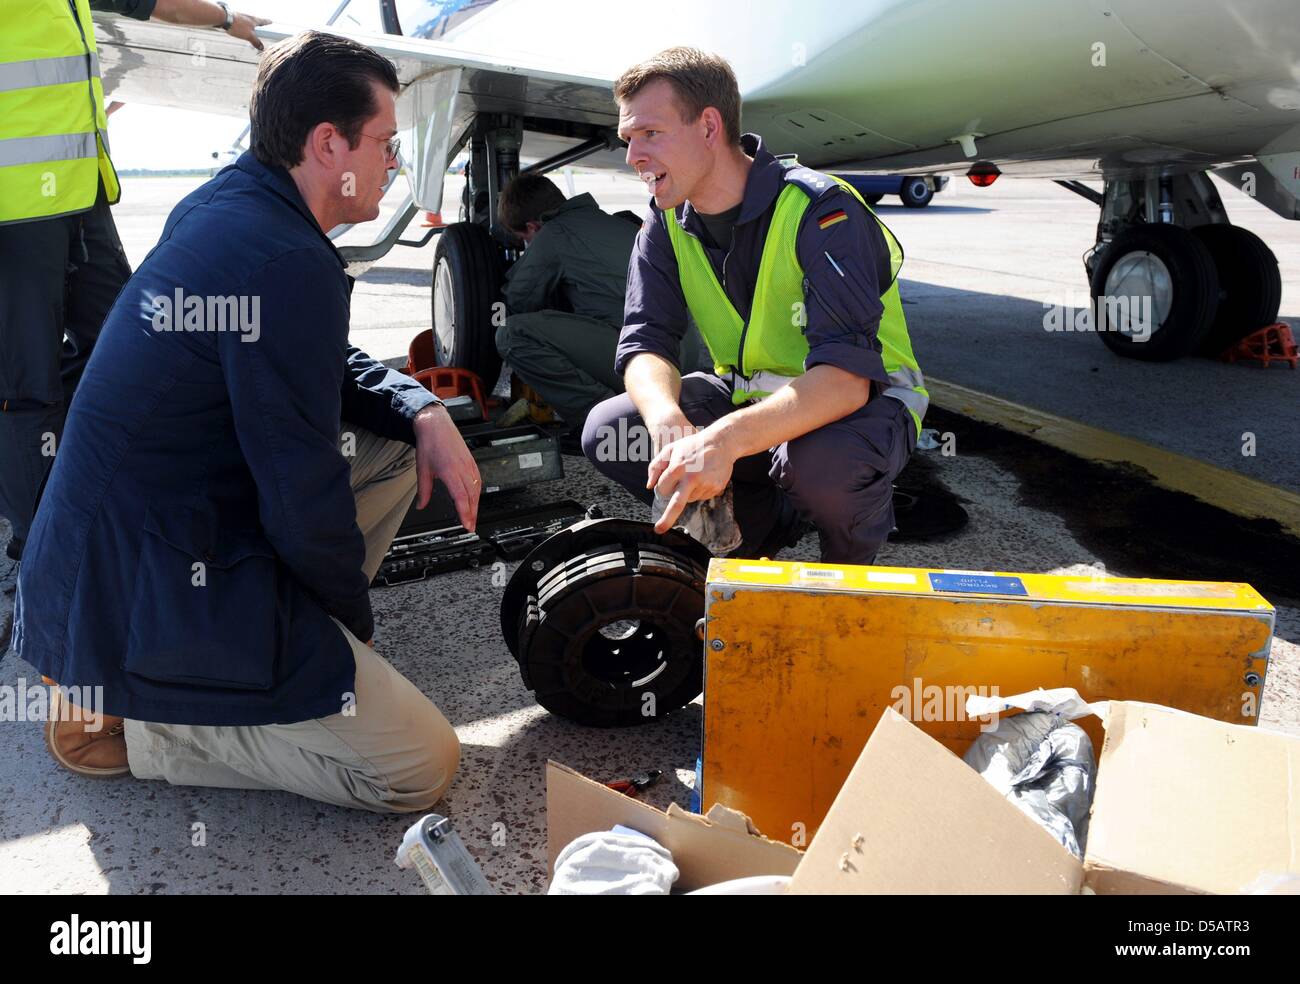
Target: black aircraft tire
x,y
467,274
582,674
1187,271
1250,285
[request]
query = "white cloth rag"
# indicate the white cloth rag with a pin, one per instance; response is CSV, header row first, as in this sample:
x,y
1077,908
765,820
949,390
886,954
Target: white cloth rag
x,y
608,862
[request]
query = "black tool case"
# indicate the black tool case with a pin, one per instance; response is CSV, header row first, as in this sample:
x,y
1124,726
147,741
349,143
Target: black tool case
x,y
508,458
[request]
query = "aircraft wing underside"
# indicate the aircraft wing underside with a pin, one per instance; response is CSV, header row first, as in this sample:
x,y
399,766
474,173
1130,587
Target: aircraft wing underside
x,y
868,90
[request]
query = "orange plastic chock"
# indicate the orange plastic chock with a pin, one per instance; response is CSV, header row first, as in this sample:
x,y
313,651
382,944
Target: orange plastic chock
x,y
1272,343
446,382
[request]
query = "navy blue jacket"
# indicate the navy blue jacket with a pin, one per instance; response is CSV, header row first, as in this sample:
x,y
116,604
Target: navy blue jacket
x,y
198,528
655,314
137,9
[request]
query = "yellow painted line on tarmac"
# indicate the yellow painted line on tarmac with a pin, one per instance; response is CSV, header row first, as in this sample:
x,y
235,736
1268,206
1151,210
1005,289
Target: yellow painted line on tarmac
x,y
1217,486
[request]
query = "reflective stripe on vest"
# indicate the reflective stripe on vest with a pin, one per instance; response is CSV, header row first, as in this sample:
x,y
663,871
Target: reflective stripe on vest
x,y
46,71
53,128
758,385
761,357
34,150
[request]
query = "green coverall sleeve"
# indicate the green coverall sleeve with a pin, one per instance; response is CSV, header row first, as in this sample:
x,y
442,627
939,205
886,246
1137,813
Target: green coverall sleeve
x,y
532,282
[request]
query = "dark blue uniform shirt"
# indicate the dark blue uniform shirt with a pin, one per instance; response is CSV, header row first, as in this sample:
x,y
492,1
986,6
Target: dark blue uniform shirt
x,y
137,9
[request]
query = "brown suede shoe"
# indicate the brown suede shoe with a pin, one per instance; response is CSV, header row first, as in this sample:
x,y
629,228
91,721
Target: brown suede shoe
x,y
100,754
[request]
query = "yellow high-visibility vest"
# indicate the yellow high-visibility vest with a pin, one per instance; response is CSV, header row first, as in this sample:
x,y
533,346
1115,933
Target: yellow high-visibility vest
x,y
760,356
53,128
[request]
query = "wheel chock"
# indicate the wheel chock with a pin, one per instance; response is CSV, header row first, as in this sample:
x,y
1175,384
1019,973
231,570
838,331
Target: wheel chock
x,y
1272,343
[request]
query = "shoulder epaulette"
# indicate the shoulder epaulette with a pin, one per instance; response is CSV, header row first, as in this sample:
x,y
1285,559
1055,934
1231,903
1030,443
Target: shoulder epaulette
x,y
812,183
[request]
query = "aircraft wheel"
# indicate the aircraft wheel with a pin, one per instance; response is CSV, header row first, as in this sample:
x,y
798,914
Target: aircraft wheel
x,y
1249,281
916,192
467,274
602,618
1155,293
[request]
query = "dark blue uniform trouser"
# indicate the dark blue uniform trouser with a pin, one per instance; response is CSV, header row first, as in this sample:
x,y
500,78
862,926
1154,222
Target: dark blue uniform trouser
x,y
58,279
838,477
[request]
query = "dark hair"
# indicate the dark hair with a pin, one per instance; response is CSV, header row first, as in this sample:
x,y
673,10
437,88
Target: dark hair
x,y
699,80
526,198
309,79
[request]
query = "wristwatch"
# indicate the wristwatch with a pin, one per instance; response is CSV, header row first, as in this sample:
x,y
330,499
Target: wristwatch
x,y
230,15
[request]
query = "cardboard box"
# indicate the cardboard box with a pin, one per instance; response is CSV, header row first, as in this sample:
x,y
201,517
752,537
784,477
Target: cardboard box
x,y
1183,804
707,850
913,818
802,659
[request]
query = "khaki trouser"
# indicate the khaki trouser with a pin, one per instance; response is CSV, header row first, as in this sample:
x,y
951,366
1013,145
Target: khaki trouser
x,y
397,753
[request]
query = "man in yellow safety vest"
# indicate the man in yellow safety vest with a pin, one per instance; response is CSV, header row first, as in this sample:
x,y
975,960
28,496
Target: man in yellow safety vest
x,y
815,400
61,261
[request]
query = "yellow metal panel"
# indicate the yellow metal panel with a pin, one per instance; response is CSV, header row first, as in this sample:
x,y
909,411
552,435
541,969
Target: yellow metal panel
x,y
799,668
1055,587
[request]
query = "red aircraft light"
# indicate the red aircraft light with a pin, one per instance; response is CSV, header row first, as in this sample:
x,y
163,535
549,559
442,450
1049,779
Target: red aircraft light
x,y
983,174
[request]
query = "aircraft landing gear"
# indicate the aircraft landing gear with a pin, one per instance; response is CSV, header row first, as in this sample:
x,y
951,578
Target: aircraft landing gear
x,y
467,271
470,261
1170,276
916,193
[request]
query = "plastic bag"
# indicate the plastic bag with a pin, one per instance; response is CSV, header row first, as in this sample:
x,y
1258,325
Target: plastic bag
x,y
1044,765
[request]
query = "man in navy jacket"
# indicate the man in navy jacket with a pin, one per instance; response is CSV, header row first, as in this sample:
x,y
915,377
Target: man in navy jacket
x,y
231,474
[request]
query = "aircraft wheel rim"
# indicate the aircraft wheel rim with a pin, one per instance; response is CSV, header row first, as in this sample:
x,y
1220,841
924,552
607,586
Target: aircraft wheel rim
x,y
444,314
1135,276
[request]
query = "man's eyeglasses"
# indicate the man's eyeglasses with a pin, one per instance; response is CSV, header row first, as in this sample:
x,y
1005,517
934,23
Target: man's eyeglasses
x,y
391,145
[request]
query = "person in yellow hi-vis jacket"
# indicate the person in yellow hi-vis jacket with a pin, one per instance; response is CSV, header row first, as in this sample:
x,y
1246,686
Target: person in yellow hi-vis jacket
x,y
61,261
815,401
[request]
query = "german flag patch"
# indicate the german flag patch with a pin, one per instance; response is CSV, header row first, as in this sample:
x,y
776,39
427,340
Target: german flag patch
x,y
830,218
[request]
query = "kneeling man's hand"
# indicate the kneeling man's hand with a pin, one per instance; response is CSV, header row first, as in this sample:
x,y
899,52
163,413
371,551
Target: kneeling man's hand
x,y
441,454
695,468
